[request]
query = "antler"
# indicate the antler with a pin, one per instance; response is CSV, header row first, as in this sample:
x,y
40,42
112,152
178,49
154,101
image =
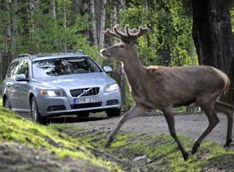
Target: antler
x,y
130,35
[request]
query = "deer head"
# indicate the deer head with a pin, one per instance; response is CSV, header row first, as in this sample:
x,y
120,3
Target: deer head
x,y
126,48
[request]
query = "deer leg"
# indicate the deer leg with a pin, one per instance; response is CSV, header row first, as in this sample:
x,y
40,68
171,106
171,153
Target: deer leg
x,y
171,124
228,111
213,121
134,112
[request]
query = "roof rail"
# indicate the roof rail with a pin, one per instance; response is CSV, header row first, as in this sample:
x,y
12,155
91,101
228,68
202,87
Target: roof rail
x,y
72,51
23,55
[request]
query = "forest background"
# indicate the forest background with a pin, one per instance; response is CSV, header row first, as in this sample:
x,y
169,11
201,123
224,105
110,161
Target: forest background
x,y
41,26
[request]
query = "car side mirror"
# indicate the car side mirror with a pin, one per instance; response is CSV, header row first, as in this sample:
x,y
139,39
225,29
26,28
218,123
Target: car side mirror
x,y
107,69
21,77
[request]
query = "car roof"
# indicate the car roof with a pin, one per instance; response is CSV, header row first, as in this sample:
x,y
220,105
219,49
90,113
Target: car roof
x,y
49,55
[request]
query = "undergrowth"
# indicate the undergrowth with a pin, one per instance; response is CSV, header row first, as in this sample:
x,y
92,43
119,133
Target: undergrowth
x,y
159,152
15,129
144,152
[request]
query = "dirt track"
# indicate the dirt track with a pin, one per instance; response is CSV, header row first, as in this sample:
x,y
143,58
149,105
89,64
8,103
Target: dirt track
x,y
187,125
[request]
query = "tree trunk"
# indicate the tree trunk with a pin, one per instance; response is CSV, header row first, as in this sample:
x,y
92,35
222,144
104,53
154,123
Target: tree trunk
x,y
54,14
64,24
93,19
54,9
113,17
118,73
33,5
7,33
229,97
212,33
103,24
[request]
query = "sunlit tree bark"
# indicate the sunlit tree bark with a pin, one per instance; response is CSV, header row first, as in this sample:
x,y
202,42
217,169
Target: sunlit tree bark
x,y
102,24
93,19
113,16
212,32
5,55
64,23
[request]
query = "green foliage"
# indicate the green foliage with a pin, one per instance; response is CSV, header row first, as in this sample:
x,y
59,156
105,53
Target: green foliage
x,y
169,41
40,30
232,17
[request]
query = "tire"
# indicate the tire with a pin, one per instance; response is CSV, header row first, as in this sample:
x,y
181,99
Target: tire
x,y
113,112
6,103
83,114
36,117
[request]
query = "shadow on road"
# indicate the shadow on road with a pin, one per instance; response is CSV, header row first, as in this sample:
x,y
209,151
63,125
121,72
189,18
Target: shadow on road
x,y
70,119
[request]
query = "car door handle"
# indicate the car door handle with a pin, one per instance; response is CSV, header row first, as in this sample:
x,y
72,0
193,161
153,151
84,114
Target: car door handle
x,y
8,85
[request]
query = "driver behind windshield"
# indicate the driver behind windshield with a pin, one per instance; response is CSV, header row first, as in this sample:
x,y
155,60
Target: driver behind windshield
x,y
59,68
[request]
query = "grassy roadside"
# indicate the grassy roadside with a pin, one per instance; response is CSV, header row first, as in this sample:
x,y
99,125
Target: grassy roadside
x,y
147,152
15,129
129,152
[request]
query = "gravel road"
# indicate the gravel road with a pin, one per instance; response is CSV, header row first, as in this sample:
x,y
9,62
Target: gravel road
x,y
188,125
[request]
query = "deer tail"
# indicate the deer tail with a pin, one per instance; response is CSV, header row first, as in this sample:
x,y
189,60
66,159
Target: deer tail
x,y
227,85
226,80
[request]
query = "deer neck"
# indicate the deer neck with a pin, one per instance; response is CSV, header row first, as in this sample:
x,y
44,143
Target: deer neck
x,y
135,72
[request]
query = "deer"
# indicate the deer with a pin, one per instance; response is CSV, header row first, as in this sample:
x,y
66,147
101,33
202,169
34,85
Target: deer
x,y
163,88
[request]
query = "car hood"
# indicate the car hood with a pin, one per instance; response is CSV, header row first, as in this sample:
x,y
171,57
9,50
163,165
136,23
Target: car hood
x,y
76,80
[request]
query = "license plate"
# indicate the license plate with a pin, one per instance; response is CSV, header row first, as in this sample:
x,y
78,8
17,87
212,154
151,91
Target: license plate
x,y
87,100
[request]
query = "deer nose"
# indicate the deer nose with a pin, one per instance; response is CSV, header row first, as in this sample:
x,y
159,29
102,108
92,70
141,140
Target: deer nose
x,y
103,52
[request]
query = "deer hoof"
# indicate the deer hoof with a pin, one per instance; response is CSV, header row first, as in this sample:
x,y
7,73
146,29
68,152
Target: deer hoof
x,y
108,143
228,143
194,150
185,155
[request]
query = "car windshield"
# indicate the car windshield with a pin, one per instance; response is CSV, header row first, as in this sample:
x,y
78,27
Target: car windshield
x,y
64,66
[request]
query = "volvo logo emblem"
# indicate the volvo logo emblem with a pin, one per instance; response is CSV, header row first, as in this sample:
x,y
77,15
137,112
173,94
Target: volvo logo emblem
x,y
85,91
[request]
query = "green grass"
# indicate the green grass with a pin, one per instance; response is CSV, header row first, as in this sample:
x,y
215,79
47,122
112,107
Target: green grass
x,y
14,128
160,149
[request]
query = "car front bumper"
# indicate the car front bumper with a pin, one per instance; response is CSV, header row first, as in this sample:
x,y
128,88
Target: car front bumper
x,y
52,106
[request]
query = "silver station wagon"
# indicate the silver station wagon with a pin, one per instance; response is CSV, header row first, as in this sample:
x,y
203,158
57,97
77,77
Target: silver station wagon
x,y
59,84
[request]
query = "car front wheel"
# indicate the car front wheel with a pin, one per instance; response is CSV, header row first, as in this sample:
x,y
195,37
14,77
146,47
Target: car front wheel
x,y
113,112
36,117
6,103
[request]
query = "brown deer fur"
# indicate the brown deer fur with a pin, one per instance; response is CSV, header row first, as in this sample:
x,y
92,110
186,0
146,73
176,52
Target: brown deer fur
x,y
158,87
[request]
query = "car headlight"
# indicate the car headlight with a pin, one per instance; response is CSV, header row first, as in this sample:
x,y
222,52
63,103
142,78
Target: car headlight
x,y
51,93
112,87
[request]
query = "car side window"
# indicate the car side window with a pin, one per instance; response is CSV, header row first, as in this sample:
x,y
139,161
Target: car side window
x,y
93,67
23,68
12,70
16,68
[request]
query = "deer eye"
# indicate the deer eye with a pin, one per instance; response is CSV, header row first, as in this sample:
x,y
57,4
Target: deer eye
x,y
122,46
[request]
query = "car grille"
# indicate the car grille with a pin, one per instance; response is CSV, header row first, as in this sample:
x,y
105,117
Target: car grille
x,y
87,105
85,92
